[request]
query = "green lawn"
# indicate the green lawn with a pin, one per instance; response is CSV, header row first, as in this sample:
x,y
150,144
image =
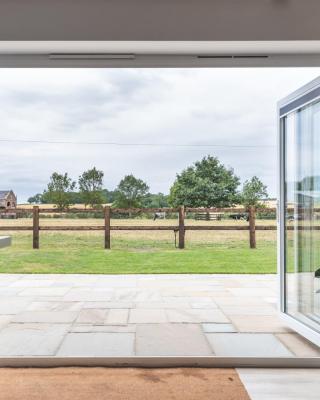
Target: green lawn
x,y
82,252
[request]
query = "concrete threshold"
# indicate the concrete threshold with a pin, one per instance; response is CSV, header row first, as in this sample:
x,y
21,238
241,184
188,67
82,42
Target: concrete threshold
x,y
161,362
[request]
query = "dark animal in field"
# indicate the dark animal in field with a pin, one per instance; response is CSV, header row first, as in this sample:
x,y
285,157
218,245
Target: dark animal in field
x,y
159,215
240,216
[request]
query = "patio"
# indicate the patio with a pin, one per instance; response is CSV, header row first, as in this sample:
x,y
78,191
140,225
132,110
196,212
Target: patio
x,y
144,315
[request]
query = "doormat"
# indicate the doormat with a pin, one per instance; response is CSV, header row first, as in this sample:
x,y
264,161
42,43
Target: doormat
x,y
121,384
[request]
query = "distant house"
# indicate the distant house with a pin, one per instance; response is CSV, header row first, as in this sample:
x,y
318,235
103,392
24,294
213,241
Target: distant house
x,y
7,199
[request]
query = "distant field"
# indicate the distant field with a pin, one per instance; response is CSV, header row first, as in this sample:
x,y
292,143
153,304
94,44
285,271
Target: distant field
x,y
138,251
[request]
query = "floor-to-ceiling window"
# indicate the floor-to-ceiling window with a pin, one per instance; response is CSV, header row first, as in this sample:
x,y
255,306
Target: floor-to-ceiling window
x,y
301,129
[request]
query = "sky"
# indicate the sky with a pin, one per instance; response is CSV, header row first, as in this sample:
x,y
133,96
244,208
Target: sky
x,y
159,120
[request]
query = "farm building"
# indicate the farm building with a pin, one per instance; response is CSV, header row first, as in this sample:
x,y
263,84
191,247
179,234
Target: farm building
x,y
7,199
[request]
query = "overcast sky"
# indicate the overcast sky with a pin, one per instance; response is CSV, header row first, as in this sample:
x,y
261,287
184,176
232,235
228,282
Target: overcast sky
x,y
231,107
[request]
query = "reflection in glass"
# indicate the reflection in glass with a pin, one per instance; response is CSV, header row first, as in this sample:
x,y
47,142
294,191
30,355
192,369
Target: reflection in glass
x,y
302,183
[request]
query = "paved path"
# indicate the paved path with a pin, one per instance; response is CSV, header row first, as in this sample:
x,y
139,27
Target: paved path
x,y
144,315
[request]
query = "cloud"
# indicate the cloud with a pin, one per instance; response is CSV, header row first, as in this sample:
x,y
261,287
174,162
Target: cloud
x,y
161,106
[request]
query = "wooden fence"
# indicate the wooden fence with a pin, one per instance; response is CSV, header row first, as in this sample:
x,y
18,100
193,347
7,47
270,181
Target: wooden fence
x,y
180,229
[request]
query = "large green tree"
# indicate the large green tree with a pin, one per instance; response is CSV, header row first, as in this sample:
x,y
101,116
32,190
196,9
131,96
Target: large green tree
x,y
90,186
253,192
59,190
207,183
131,192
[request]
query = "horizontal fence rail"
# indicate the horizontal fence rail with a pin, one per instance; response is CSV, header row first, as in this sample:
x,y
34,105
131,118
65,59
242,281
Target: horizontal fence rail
x,y
135,210
53,210
107,212
155,228
89,210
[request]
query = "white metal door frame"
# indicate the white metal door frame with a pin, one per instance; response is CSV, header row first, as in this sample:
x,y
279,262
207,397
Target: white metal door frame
x,y
305,95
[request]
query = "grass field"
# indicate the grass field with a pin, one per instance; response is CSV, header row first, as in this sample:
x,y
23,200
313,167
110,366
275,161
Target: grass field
x,y
139,251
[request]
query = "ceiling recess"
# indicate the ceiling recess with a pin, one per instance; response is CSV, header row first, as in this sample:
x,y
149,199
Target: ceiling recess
x,y
91,56
229,56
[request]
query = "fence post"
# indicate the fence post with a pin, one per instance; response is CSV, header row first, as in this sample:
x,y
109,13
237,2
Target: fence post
x,y
181,227
36,227
252,227
107,231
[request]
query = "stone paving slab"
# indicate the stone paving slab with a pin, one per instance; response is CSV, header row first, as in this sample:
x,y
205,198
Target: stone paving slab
x,y
51,317
54,306
83,328
13,305
171,340
44,291
247,345
31,339
33,283
117,317
127,315
97,344
203,305
196,316
249,310
298,346
218,328
88,295
162,305
109,304
249,292
92,316
258,323
9,292
136,295
147,316
229,301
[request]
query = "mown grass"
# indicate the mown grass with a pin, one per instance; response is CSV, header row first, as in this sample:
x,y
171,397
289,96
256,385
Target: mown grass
x,y
224,252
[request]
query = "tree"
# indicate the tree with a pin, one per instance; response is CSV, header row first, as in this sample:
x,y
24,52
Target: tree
x,y
108,195
156,200
253,192
36,199
59,190
207,183
131,192
90,185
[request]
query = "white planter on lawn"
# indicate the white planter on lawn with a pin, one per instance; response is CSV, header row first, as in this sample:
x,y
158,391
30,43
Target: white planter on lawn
x,y
5,241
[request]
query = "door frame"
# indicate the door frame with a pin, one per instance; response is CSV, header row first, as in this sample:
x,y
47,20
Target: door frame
x,y
44,59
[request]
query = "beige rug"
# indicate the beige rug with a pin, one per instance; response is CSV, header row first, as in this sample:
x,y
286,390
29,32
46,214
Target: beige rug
x,y
120,384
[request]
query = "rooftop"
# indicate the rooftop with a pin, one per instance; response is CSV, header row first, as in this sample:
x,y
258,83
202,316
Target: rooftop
x,y
3,193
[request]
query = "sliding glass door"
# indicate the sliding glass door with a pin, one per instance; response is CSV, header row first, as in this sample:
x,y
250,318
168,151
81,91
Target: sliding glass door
x,y
299,216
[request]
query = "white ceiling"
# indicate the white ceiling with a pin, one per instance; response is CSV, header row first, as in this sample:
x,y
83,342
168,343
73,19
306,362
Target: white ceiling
x,y
163,47
152,54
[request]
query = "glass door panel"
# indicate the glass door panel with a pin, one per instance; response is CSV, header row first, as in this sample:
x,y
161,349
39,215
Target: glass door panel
x,y
300,211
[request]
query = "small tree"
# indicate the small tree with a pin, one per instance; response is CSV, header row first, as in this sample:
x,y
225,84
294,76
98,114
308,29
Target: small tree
x,y
90,185
36,199
253,192
156,200
59,190
131,192
207,183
